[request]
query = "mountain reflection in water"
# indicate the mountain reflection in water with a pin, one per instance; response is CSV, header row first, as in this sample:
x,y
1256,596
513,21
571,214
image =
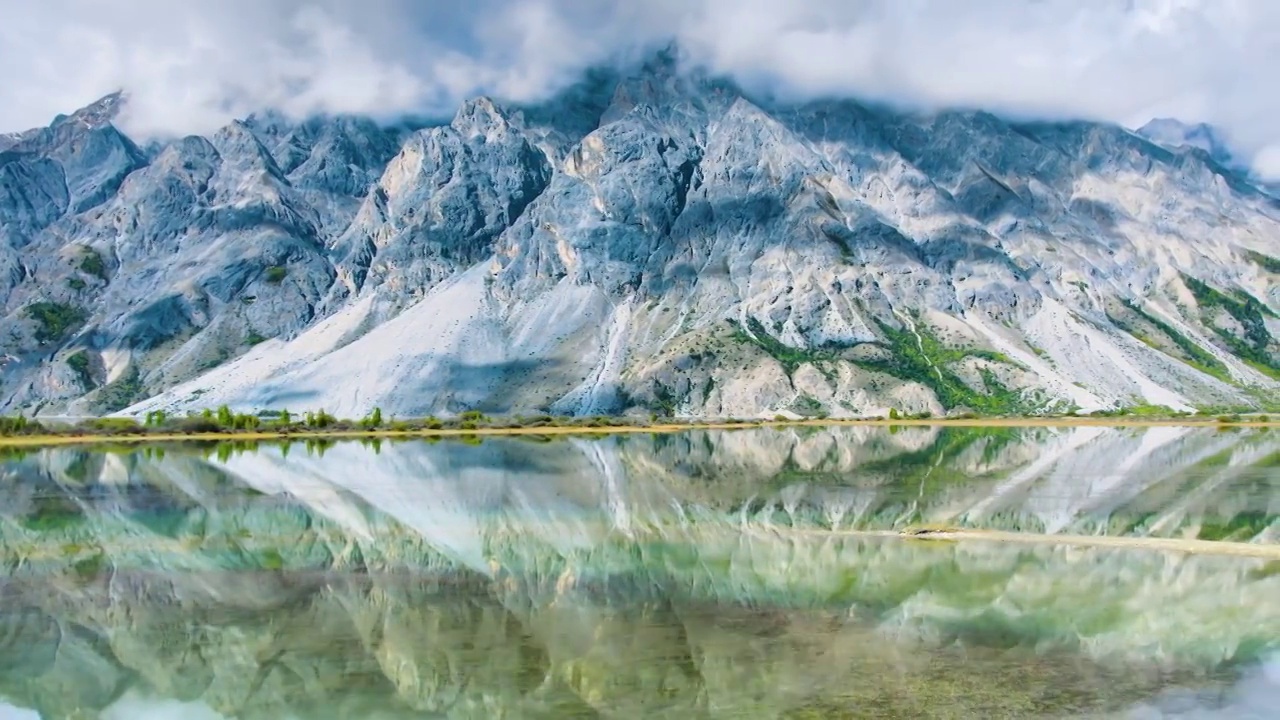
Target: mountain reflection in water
x,y
682,576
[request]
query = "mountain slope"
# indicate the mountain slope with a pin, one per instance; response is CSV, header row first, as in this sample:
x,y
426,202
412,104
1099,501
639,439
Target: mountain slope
x,y
647,242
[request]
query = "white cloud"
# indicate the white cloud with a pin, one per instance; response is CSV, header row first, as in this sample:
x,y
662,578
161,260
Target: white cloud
x,y
1266,163
192,65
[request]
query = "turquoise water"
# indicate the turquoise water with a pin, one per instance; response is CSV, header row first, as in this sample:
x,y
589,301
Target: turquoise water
x,y
698,575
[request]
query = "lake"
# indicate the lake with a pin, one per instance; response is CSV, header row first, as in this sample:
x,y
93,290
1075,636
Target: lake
x,y
703,574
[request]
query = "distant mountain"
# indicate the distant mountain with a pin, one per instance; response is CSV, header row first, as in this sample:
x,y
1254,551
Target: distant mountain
x,y
647,242
1174,133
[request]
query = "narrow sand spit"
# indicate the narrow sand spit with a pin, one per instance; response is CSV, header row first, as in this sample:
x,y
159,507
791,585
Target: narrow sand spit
x,y
1113,542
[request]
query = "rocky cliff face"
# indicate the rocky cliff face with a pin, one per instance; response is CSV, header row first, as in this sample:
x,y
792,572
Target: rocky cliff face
x,y
647,242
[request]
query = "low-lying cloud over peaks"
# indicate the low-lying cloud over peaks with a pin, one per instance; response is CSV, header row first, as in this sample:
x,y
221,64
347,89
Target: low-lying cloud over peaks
x,y
191,66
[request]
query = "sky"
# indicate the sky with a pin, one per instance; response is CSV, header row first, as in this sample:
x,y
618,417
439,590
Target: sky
x,y
191,66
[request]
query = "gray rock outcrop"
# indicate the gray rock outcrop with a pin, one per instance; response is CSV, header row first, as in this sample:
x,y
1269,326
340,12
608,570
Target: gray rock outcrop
x,y
648,242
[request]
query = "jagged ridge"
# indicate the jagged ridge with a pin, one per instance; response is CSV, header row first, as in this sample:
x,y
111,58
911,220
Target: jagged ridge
x,y
648,242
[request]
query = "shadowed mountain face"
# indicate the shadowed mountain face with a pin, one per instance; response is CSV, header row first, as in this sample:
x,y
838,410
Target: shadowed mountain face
x,y
694,575
650,241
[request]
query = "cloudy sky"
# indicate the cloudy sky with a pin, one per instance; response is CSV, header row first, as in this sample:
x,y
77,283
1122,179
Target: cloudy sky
x,y
190,65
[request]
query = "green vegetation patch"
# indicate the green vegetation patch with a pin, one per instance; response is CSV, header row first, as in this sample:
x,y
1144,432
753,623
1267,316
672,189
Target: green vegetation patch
x,y
275,274
665,399
1253,348
79,363
1139,410
91,263
1191,353
919,356
111,425
808,406
916,356
1240,528
54,320
122,392
790,358
1266,262
373,420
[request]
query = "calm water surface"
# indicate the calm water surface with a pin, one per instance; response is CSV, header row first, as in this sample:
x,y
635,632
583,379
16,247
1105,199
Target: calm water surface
x,y
697,575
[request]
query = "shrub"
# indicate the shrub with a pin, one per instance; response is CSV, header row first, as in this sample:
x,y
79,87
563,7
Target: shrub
x,y
893,414
79,363
1268,263
111,425
18,425
91,264
275,274
319,419
121,392
54,320
196,425
155,418
374,420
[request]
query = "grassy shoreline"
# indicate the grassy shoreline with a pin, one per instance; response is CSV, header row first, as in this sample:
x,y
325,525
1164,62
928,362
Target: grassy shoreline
x,y
156,435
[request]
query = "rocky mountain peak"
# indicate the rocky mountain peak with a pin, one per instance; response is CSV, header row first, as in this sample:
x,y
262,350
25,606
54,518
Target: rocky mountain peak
x,y
480,117
98,113
1174,133
652,241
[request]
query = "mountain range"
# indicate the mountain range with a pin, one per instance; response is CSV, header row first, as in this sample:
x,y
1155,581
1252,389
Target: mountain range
x,y
649,241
